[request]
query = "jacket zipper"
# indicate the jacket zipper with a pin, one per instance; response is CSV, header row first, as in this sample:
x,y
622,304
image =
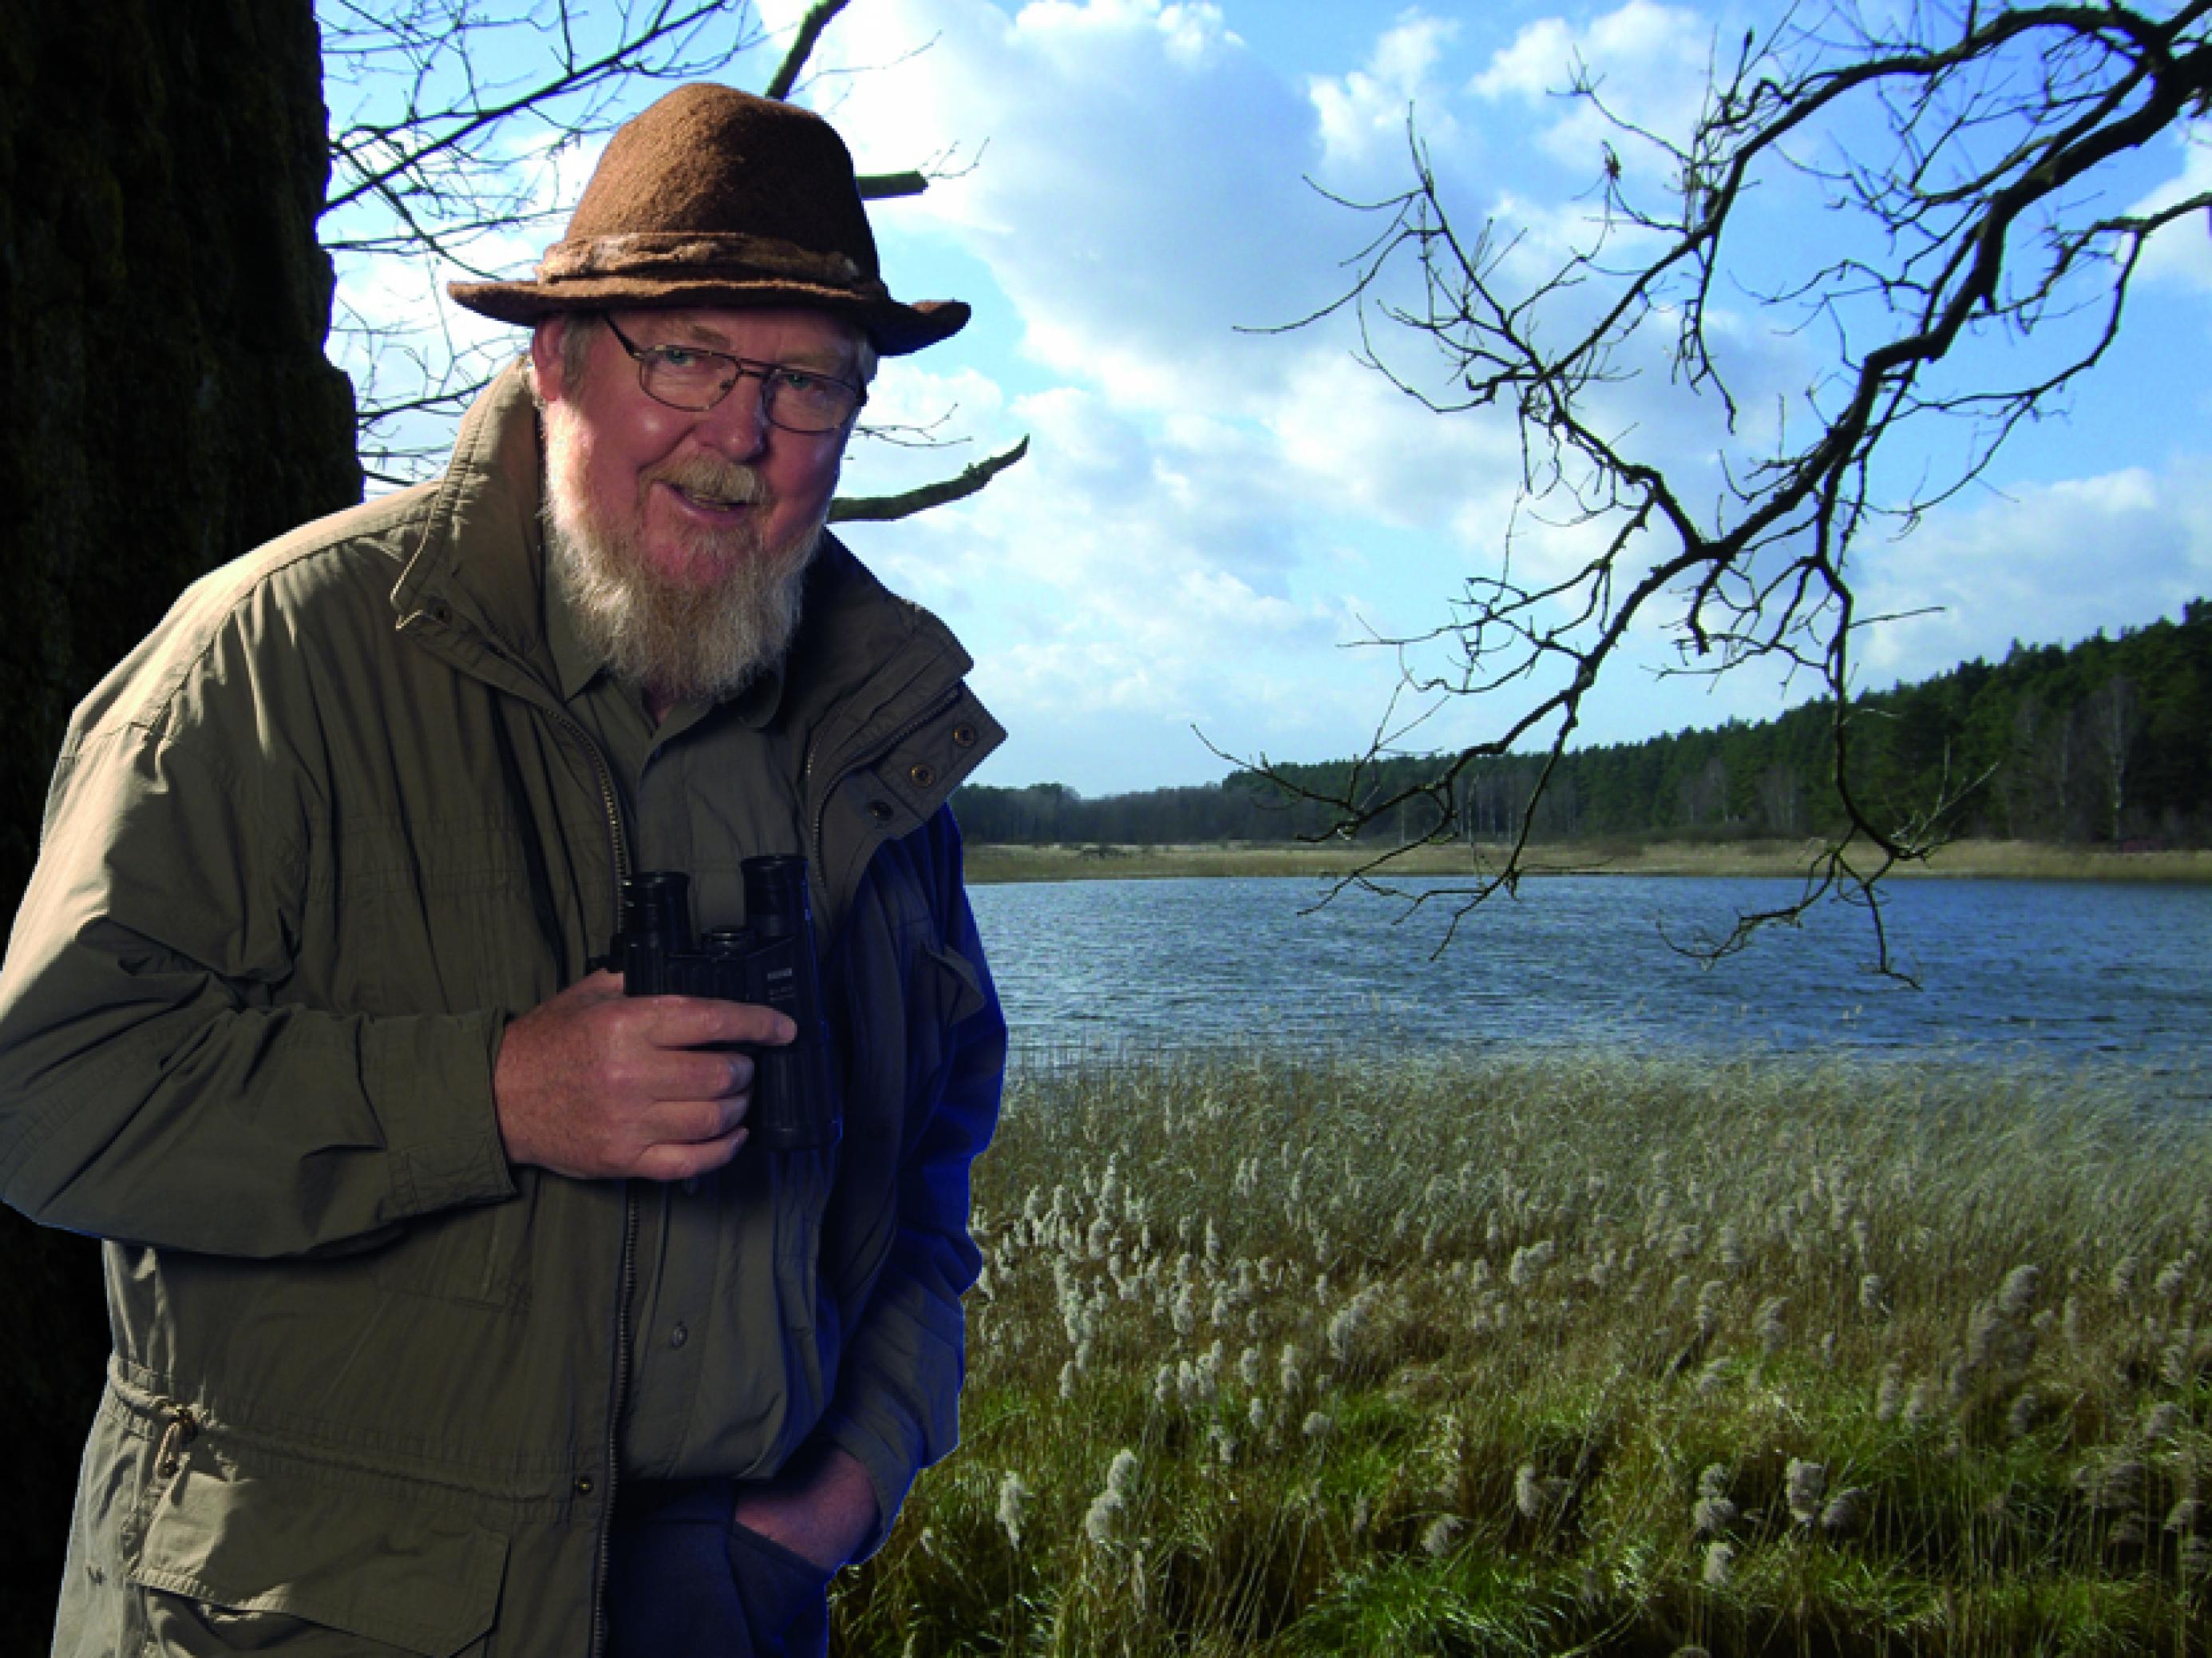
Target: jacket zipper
x,y
605,1559
945,701
626,1278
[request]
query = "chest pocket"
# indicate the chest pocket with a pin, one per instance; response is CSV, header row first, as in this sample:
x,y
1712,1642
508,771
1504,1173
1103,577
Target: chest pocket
x,y
440,918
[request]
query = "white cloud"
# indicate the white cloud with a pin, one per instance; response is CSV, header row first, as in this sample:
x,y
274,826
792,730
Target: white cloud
x,y
1648,62
1358,442
1363,113
2182,251
1138,197
2052,564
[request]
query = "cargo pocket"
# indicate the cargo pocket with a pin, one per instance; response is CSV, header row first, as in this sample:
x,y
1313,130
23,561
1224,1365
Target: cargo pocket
x,y
232,1559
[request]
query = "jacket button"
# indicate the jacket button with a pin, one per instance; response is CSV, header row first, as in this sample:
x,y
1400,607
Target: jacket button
x,y
678,1336
923,774
583,1485
880,811
963,736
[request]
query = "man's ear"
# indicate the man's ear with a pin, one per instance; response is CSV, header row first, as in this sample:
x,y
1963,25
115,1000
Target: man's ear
x,y
546,371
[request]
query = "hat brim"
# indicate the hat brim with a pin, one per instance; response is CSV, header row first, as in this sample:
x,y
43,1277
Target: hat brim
x,y
896,329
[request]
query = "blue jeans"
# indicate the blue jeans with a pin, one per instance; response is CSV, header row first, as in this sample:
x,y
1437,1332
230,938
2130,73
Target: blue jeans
x,y
683,1582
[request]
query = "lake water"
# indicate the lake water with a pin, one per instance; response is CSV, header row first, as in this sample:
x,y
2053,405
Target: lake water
x,y
2010,969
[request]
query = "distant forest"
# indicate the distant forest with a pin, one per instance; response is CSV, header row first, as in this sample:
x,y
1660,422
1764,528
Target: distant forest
x,y
2107,742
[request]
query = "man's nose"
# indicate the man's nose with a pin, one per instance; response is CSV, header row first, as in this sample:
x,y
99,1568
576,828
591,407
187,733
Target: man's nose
x,y
738,425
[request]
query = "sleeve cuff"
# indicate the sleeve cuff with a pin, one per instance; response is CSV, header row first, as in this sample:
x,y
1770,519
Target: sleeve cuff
x,y
890,1473
428,1080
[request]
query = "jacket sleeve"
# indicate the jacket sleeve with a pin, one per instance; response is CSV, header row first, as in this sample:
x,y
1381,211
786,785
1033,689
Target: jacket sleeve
x,y
897,1406
156,1084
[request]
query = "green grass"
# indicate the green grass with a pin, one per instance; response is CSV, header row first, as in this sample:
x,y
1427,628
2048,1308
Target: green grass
x,y
1550,1356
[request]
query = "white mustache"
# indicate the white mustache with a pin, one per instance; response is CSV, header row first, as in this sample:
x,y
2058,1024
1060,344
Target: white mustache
x,y
712,480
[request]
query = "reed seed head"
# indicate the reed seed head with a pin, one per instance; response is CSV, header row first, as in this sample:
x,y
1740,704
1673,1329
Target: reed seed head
x,y
1889,1397
1804,1485
1540,1496
1720,1560
2016,1296
1845,1514
1529,1261
1013,1504
1729,1246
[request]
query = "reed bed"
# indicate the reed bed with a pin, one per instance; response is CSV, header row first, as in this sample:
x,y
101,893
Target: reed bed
x,y
1609,1356
989,865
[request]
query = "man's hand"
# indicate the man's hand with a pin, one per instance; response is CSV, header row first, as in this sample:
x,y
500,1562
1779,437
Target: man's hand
x,y
823,1514
602,1086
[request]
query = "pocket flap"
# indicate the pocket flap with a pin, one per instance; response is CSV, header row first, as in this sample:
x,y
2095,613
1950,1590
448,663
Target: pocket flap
x,y
352,1558
960,993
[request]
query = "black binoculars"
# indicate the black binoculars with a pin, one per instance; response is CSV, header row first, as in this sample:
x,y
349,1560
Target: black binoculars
x,y
770,961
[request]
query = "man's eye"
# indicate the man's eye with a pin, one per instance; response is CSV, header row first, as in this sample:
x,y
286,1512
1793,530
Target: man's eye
x,y
676,356
798,382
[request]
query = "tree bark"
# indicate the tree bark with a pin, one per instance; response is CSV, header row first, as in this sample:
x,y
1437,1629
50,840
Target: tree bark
x,y
165,405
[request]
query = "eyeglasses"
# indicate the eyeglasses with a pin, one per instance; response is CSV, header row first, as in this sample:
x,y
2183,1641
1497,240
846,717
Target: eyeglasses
x,y
688,377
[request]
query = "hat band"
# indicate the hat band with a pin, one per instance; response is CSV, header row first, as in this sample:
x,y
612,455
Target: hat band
x,y
682,254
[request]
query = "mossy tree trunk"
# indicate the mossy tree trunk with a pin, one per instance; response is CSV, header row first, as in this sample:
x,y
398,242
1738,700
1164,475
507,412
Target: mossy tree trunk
x,y
165,404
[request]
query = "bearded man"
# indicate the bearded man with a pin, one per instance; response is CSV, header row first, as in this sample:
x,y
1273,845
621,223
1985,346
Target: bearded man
x,y
453,1311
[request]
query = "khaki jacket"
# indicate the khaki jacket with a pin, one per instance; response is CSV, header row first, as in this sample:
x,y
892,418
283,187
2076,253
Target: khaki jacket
x,y
307,849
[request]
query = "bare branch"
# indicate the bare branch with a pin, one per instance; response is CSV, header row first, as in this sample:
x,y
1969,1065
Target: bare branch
x,y
882,508
802,46
1974,211
888,186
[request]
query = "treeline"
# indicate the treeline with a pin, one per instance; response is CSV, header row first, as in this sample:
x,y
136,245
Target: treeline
x,y
2106,742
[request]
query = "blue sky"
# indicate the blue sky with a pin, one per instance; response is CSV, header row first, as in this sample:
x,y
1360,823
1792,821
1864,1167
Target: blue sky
x,y
1209,519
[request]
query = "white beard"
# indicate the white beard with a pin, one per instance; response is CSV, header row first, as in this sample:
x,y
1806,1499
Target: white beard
x,y
677,643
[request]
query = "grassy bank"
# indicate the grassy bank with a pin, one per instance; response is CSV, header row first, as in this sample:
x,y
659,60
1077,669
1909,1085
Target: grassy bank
x,y
2014,860
1546,1357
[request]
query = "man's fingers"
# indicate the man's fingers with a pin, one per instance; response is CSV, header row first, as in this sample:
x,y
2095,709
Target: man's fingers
x,y
690,1122
695,1021
675,1163
696,1074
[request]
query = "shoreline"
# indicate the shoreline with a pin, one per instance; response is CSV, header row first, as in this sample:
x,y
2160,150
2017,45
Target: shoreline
x,y
994,864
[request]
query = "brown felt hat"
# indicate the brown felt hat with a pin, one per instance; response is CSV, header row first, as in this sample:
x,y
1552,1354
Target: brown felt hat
x,y
712,196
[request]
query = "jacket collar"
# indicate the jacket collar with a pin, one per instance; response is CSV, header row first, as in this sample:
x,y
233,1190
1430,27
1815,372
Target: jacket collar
x,y
479,567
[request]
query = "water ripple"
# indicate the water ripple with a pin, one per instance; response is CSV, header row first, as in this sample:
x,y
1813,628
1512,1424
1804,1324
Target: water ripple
x,y
2033,969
